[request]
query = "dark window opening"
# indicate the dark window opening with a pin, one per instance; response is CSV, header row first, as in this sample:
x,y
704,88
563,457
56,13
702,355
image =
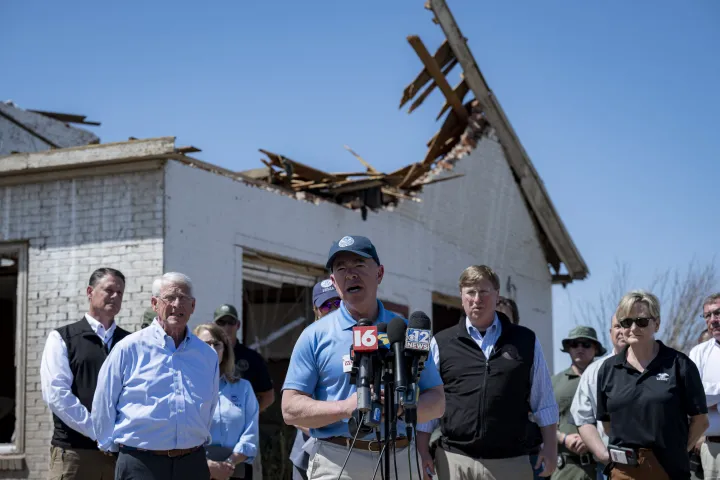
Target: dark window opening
x,y
8,331
445,316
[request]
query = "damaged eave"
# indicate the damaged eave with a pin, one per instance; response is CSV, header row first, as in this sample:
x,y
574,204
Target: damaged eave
x,y
464,125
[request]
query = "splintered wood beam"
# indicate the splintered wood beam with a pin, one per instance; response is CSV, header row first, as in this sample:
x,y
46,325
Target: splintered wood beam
x,y
356,185
361,160
460,90
443,179
302,170
442,57
421,98
432,67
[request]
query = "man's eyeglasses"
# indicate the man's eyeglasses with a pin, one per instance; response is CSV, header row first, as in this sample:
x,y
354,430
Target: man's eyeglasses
x,y
181,299
225,321
579,343
715,313
641,322
330,305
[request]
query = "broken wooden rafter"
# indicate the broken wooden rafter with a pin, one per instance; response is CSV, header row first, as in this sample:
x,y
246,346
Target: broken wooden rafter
x,y
442,57
187,149
421,98
361,160
298,168
461,90
438,180
434,70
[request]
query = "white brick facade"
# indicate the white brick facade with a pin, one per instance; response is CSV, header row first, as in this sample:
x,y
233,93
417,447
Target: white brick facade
x,y
73,227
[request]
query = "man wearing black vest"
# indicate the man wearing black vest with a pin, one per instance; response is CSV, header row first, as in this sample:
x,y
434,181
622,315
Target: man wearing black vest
x,y
71,362
494,373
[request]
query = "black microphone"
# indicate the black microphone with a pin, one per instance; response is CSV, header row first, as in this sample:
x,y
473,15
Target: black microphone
x,y
365,344
396,337
374,417
417,348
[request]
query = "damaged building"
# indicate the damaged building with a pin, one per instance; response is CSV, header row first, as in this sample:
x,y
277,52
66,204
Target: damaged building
x,y
259,238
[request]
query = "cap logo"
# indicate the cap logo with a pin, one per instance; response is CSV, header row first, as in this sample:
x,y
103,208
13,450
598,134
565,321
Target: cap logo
x,y
345,242
326,283
225,308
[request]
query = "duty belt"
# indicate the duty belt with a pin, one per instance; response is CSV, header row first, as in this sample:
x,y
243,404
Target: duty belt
x,y
582,460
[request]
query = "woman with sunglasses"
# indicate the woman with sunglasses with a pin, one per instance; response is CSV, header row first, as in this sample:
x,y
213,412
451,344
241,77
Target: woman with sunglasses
x,y
325,301
646,394
235,423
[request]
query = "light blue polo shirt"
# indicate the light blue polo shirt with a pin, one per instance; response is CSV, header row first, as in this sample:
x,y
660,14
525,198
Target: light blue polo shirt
x,y
316,365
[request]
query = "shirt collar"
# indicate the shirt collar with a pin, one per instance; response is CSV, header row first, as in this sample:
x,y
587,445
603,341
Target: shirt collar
x,y
98,327
159,334
495,325
620,360
347,321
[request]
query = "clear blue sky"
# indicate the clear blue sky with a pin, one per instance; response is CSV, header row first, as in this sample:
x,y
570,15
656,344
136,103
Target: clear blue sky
x,y
616,102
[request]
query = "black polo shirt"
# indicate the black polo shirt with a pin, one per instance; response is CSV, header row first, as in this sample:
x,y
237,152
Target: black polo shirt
x,y
651,409
251,366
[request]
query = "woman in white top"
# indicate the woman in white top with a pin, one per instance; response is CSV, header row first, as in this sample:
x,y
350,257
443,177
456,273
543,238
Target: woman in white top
x,y
235,424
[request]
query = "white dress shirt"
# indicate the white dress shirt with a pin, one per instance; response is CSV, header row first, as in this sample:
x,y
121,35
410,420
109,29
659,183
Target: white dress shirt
x,y
707,358
56,379
542,398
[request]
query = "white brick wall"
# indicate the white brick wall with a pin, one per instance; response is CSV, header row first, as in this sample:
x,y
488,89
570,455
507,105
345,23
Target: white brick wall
x,y
74,227
479,218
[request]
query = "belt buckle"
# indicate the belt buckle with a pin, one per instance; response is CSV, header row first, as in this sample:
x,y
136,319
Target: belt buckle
x,y
173,455
585,459
370,446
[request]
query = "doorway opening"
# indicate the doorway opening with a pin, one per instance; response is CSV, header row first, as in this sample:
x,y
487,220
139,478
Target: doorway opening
x,y
9,273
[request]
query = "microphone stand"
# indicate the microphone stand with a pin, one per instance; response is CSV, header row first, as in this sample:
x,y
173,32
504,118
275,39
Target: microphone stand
x,y
390,424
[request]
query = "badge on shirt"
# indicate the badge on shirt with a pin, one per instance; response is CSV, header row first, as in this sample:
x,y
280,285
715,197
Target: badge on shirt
x,y
347,364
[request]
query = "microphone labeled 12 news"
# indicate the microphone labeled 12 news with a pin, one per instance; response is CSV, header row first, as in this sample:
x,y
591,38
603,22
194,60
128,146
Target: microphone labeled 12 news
x,y
401,352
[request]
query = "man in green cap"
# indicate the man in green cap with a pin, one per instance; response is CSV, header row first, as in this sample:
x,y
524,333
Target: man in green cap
x,y
574,461
148,317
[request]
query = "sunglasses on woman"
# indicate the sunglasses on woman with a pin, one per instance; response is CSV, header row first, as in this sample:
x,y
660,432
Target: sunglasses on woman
x,y
330,305
641,322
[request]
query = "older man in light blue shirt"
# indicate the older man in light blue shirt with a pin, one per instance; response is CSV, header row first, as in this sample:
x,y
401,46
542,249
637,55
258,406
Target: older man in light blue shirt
x,y
157,391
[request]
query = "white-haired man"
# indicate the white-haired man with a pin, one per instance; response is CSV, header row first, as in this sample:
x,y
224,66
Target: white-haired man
x,y
157,392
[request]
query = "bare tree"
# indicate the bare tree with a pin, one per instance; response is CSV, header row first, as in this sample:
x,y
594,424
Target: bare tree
x,y
681,293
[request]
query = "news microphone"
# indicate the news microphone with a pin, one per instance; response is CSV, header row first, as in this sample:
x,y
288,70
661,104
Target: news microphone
x,y
417,348
396,337
374,417
365,343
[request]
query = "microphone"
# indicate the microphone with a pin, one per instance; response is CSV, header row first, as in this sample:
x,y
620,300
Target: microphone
x,y
374,417
417,348
365,343
396,337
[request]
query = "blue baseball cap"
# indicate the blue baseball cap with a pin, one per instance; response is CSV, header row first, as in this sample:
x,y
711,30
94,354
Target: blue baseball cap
x,y
324,291
358,245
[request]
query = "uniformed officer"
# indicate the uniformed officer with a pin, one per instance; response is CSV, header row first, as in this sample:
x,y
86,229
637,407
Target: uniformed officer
x,y
317,393
576,463
645,395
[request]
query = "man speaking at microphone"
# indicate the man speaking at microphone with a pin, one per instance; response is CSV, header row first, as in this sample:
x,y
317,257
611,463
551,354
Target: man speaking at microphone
x,y
317,393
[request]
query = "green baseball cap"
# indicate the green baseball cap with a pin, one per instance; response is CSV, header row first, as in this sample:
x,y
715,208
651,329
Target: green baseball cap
x,y
585,333
148,317
226,310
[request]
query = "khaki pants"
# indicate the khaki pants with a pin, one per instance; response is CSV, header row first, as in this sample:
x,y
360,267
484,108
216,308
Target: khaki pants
x,y
454,466
329,459
80,464
648,468
710,458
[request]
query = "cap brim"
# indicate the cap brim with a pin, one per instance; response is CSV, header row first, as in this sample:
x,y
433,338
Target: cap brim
x,y
324,297
218,317
329,263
